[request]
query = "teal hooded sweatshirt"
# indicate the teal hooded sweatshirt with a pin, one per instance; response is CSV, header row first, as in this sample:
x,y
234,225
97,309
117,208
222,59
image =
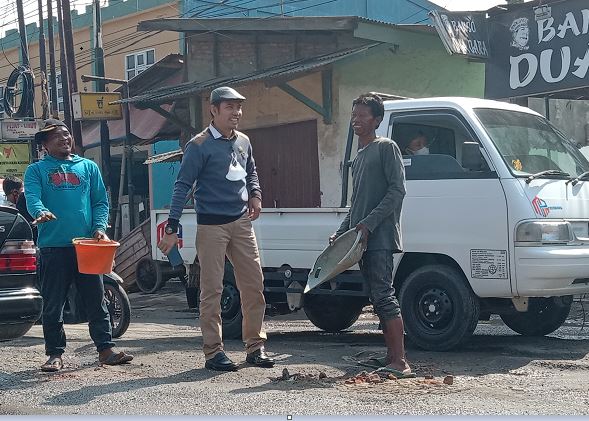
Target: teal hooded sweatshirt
x,y
74,192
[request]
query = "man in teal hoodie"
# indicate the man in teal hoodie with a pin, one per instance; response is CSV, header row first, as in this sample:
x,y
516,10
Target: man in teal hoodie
x,y
66,196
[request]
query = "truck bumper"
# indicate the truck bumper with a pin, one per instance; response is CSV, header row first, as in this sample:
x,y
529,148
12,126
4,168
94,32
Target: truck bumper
x,y
552,271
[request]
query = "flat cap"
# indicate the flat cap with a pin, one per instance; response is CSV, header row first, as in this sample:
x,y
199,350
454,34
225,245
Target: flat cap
x,y
48,126
225,93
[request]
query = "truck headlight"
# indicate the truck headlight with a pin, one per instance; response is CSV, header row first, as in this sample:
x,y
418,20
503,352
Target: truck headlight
x,y
544,232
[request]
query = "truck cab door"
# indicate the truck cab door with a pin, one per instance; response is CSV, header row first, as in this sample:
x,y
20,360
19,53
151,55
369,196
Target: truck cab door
x,y
455,205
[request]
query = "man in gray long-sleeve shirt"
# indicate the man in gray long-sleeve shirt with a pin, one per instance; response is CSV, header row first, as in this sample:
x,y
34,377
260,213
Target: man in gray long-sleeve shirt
x,y
377,196
227,199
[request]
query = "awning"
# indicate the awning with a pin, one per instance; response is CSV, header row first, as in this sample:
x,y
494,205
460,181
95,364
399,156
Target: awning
x,y
284,71
146,126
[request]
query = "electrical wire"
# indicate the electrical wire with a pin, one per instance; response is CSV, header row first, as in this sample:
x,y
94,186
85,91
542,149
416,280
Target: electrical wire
x,y
27,98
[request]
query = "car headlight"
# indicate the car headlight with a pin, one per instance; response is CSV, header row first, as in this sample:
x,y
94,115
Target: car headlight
x,y
544,232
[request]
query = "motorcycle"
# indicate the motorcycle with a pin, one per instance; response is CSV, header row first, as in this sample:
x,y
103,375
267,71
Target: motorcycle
x,y
117,302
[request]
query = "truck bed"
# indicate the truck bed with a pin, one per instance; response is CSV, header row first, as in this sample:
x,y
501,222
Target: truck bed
x,y
286,236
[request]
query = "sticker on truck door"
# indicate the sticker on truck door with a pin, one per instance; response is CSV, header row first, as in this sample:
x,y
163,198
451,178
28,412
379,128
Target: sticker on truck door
x,y
488,264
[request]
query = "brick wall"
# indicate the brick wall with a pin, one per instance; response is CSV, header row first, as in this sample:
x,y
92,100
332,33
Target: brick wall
x,y
235,53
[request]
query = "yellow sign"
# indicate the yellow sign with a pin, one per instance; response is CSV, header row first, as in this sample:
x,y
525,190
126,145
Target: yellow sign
x,y
95,106
14,159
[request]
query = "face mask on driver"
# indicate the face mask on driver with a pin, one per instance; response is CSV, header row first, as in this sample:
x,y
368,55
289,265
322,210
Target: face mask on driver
x,y
422,151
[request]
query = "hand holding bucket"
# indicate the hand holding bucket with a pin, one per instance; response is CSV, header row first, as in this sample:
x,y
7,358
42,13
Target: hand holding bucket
x,y
95,256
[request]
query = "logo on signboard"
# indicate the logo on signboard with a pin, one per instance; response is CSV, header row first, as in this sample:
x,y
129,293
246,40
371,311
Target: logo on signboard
x,y
520,32
161,231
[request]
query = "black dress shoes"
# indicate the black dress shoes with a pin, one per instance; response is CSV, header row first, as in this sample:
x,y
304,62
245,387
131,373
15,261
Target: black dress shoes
x,y
260,359
220,362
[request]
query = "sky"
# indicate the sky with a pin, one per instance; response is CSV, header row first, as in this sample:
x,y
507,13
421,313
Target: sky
x,y
469,5
8,16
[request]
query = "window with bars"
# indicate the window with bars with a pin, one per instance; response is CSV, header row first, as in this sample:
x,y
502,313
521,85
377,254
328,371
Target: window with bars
x,y
137,62
60,106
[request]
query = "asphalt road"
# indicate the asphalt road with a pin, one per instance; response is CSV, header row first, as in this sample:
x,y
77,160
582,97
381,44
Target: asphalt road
x,y
497,372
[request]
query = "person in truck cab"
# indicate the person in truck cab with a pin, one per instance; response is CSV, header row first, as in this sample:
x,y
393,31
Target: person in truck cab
x,y
418,145
66,196
377,196
227,200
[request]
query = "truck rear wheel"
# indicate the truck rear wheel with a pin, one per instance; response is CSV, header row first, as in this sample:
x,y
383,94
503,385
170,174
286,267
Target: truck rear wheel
x,y
439,309
544,316
333,313
231,314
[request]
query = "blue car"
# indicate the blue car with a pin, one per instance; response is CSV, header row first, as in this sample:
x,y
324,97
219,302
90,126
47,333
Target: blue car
x,y
20,300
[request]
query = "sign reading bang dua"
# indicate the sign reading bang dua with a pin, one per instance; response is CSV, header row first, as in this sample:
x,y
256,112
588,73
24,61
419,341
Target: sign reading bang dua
x,y
546,32
539,50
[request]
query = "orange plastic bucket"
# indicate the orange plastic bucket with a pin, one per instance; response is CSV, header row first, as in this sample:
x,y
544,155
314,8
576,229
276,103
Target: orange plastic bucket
x,y
95,257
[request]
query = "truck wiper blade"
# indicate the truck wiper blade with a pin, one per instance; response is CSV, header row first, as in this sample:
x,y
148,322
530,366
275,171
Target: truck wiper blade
x,y
546,173
575,180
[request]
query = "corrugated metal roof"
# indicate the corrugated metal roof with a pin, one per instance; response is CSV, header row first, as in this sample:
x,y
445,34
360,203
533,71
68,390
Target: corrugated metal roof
x,y
168,94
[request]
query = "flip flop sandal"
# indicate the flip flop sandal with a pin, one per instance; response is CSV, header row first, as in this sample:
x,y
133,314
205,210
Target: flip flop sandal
x,y
117,359
52,365
374,362
398,374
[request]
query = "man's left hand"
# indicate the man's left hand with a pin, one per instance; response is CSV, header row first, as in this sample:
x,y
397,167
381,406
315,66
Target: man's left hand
x,y
254,207
101,235
361,228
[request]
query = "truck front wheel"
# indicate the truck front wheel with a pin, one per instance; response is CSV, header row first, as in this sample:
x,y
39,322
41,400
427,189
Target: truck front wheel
x,y
333,313
544,316
439,310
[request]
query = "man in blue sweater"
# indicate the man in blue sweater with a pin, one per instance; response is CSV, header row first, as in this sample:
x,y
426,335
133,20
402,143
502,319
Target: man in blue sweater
x,y
66,196
227,199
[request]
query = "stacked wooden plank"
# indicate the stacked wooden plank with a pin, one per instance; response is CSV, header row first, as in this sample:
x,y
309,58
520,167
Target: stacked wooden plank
x,y
134,246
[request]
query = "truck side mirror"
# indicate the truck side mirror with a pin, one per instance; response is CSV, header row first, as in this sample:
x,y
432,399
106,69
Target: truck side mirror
x,y
471,156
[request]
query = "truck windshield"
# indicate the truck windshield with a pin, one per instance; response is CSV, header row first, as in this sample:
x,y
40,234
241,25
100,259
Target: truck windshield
x,y
530,145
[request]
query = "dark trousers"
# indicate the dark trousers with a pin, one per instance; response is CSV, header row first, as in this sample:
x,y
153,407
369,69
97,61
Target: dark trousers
x,y
376,267
58,268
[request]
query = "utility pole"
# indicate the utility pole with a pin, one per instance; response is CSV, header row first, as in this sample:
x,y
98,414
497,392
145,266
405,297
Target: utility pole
x,y
42,60
100,87
67,108
22,29
52,75
71,63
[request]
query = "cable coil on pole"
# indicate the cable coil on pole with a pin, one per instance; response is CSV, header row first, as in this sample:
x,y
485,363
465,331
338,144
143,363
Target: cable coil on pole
x,y
27,100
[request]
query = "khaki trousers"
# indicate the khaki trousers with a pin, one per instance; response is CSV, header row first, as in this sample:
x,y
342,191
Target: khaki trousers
x,y
237,241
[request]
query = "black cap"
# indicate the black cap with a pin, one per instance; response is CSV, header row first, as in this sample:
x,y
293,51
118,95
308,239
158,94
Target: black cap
x,y
48,126
225,93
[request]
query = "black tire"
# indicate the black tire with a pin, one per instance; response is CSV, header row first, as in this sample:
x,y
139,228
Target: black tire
x,y
333,313
231,314
439,309
149,275
119,308
192,285
544,316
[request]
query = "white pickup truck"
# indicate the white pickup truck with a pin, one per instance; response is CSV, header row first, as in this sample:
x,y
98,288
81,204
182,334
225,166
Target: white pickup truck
x,y
495,221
